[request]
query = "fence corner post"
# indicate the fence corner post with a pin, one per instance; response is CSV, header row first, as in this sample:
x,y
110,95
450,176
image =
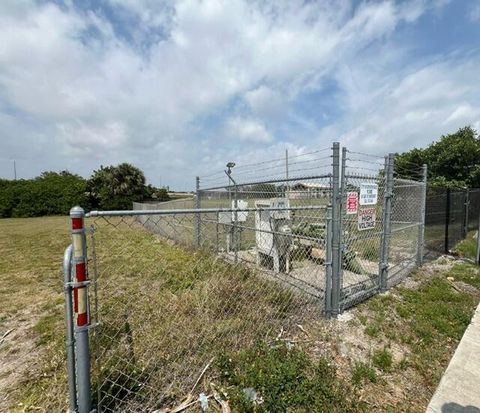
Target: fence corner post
x,y
336,231
421,228
81,308
198,240
387,217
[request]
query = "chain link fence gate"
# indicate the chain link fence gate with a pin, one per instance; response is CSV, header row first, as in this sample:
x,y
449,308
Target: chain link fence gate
x,y
381,225
269,247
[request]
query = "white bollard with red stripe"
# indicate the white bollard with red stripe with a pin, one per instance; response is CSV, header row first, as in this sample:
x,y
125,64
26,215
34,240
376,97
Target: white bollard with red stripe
x,y
81,308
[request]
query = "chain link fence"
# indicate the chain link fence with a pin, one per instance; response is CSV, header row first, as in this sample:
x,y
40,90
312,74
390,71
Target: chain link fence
x,y
261,250
165,308
450,214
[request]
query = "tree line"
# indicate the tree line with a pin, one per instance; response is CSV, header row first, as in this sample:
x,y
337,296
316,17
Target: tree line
x,y
453,160
54,193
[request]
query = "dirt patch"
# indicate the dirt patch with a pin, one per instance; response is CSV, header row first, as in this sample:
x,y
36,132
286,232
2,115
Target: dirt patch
x,y
17,352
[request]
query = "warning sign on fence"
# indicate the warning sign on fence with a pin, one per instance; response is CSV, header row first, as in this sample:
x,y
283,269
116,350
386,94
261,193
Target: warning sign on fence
x,y
368,194
352,203
366,218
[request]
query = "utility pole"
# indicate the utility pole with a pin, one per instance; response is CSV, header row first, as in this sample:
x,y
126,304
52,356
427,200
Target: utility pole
x,y
14,170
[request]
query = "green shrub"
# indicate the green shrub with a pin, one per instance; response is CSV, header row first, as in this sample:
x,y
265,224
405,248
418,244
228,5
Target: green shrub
x,y
51,193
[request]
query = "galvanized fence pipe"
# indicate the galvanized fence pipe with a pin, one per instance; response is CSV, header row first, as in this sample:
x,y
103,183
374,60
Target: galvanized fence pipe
x,y
421,229
336,230
341,203
81,308
328,264
387,217
70,337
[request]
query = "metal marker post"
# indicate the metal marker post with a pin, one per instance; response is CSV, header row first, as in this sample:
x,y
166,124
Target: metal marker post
x,y
70,337
336,256
81,307
421,228
387,217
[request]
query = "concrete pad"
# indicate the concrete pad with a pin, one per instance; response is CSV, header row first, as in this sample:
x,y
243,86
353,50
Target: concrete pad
x,y
459,389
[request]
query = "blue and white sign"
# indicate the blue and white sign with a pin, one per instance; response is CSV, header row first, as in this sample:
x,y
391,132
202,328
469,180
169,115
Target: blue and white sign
x,y
368,193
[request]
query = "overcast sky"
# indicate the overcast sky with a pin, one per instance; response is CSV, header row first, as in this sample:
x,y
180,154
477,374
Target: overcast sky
x,y
180,87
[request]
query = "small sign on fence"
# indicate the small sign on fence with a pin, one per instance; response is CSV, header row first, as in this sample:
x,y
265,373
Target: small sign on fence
x,y
368,193
352,203
366,218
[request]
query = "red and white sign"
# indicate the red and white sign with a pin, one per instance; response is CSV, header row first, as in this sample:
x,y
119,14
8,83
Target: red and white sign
x,y
366,218
352,203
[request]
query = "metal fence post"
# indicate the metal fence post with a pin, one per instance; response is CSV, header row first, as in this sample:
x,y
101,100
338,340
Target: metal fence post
x,y
70,338
328,264
336,235
465,213
477,255
447,221
287,175
197,215
387,217
421,228
81,308
342,199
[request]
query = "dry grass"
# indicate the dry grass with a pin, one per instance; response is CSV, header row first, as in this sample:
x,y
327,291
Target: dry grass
x,y
166,310
31,303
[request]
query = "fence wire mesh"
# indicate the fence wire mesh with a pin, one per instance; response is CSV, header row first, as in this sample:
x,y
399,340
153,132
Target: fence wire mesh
x,y
435,218
406,228
361,242
450,214
167,306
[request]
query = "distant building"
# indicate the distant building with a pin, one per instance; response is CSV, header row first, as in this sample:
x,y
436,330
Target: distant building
x,y
307,190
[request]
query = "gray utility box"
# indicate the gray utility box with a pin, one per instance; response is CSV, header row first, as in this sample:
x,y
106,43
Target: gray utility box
x,y
273,235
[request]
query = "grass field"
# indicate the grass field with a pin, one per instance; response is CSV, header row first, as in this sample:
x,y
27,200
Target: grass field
x,y
173,307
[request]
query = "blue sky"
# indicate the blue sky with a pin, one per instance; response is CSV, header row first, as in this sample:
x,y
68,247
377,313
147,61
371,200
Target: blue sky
x,y
180,87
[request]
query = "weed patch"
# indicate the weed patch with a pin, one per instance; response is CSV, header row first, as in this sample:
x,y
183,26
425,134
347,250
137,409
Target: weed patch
x,y
283,379
383,359
363,373
467,248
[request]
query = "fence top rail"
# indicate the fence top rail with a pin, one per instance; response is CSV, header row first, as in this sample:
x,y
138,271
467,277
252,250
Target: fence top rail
x,y
409,181
267,181
93,214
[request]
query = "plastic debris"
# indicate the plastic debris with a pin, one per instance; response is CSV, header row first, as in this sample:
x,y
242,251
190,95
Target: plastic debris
x,y
203,399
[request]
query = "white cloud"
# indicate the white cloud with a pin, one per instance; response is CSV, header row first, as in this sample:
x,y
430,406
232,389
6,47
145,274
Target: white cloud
x,y
143,85
247,130
474,13
266,102
394,114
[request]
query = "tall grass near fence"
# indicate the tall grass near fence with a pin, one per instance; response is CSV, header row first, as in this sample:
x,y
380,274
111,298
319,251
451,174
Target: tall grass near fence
x,y
166,310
